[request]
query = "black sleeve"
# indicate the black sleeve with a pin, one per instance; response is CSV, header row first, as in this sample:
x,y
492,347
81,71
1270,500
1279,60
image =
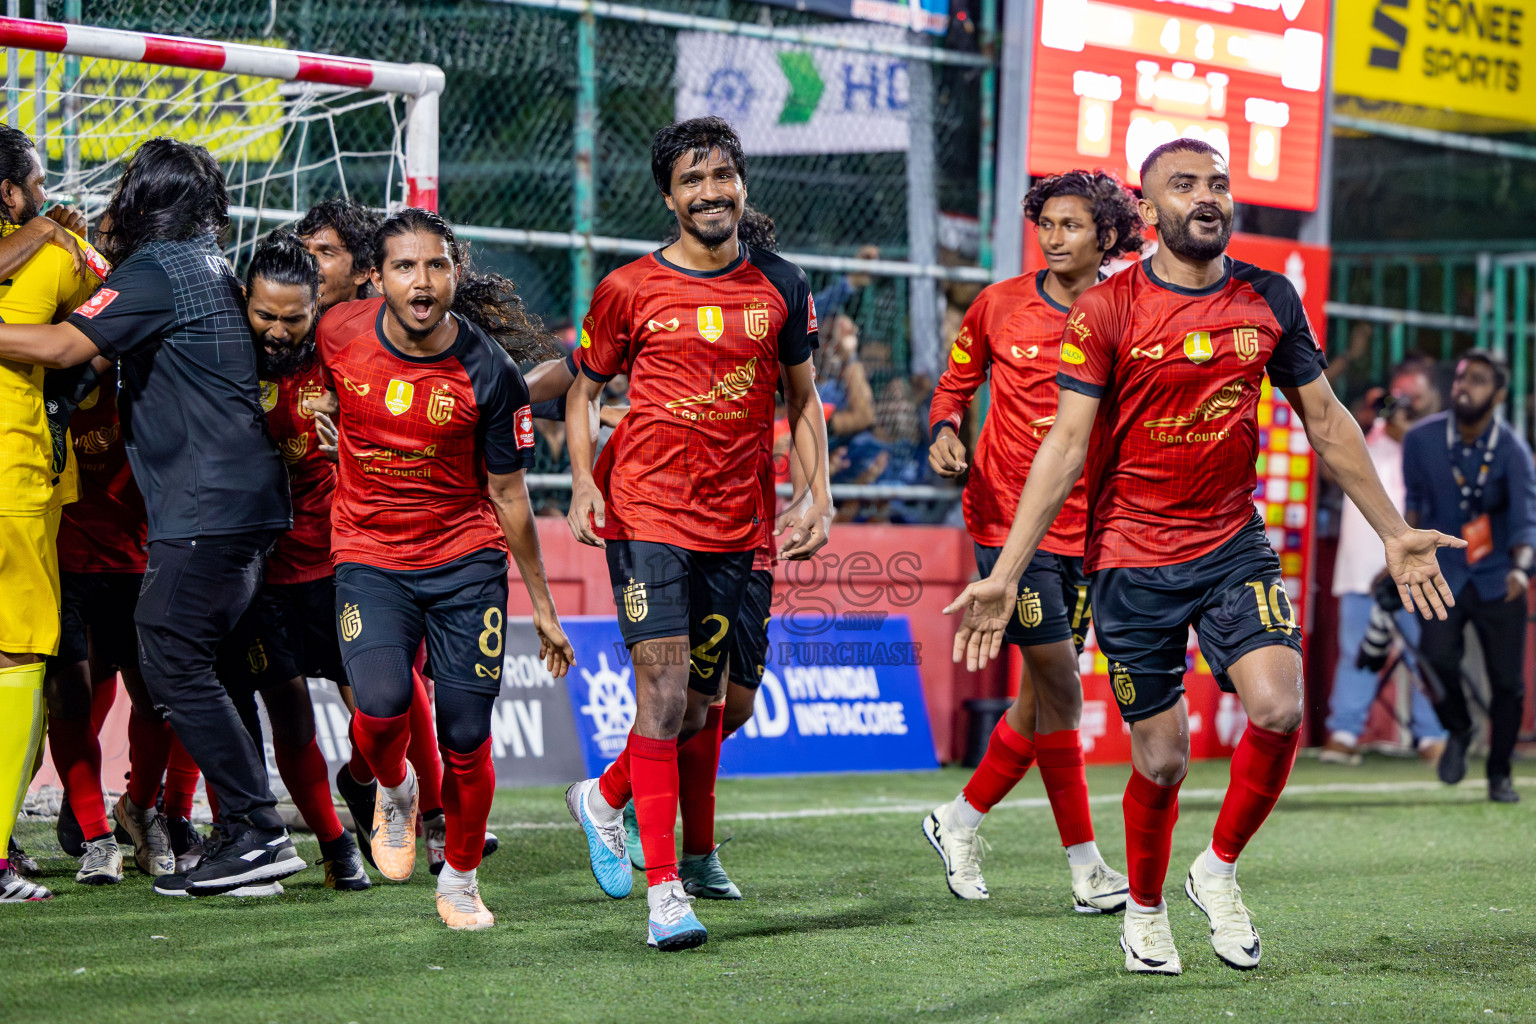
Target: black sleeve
x,y
506,418
798,338
1298,358
554,409
137,307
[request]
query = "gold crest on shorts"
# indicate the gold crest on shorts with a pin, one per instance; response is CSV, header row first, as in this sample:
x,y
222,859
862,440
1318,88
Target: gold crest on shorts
x,y
635,605
398,397
351,623
440,406
256,657
1030,612
1120,682
487,673
755,314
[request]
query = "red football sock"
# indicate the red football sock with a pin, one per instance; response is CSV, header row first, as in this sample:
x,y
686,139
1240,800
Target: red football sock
x,y
103,696
77,757
1150,811
698,762
1260,765
615,784
653,764
422,752
149,748
303,772
469,784
1007,758
213,802
181,776
357,765
383,742
1060,757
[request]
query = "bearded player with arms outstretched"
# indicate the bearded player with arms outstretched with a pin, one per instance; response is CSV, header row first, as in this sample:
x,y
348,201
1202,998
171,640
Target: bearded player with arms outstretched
x,y
1161,368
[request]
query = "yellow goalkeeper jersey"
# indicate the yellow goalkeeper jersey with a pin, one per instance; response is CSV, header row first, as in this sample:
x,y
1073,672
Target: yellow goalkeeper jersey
x,y
44,291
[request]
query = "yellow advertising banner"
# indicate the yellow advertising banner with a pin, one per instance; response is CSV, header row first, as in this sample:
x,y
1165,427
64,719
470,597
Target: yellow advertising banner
x,y
1471,56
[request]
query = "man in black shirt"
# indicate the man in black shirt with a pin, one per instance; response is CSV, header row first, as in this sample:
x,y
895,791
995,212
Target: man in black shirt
x,y
214,485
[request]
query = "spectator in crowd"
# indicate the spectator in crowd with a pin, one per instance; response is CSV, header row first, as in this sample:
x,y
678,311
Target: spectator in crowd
x,y
1467,473
842,381
1410,398
835,296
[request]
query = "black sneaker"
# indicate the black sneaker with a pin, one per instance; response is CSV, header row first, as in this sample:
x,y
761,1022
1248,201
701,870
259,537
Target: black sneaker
x,y
343,863
359,797
1502,791
171,885
71,836
245,855
186,843
21,861
1453,760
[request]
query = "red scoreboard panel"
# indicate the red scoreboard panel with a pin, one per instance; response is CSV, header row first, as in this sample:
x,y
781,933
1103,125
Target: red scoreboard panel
x,y
1114,79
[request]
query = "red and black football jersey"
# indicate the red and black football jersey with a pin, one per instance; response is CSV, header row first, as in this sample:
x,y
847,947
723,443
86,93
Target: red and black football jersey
x,y
106,529
1178,372
1012,332
418,436
304,552
702,350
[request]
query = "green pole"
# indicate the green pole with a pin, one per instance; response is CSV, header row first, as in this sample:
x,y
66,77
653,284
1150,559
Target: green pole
x,y
586,158
1481,311
1378,331
1399,342
985,181
1447,304
1415,280
1521,342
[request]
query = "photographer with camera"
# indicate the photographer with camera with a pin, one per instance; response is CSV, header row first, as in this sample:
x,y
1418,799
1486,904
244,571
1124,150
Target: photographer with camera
x,y
1467,472
1410,397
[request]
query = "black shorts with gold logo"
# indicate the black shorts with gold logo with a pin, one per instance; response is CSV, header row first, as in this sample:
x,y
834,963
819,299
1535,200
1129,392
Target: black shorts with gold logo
x,y
1053,602
749,636
96,613
664,590
1234,597
288,632
460,609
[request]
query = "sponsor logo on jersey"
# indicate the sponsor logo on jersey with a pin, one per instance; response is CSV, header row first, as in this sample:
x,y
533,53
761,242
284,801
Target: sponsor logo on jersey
x,y
309,393
959,354
524,419
964,339
1030,612
397,397
487,673
1197,346
1120,682
1024,353
95,260
360,390
90,400
98,440
635,606
1042,425
440,405
1077,323
351,623
96,303
1214,408
660,327
732,386
1155,352
711,323
269,390
1245,341
810,326
755,316
1070,353
294,448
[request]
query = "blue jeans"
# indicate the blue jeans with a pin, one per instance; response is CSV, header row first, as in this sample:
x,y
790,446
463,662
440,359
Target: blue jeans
x,y
1354,689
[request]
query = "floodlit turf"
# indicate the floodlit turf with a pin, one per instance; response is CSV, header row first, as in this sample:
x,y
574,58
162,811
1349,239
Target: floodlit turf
x,y
1406,904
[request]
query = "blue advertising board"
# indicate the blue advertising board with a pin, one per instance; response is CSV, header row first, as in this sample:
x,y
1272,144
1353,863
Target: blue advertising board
x,y
841,703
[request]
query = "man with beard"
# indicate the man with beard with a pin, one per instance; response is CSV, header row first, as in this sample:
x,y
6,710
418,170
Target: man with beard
x,y
1468,473
36,482
288,635
706,329
1175,350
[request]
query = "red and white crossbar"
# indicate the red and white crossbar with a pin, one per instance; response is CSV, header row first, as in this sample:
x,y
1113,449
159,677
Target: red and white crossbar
x,y
422,83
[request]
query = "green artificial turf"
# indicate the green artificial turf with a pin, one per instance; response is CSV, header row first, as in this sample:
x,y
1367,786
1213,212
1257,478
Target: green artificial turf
x,y
1408,902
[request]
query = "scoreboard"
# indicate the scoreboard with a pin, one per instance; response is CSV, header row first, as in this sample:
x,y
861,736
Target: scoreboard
x,y
1114,79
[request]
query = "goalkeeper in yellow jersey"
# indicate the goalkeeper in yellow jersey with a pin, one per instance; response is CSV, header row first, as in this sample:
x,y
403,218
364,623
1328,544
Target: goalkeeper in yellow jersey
x,y
35,479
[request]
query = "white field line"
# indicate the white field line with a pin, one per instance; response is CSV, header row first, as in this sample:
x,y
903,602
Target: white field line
x,y
1039,802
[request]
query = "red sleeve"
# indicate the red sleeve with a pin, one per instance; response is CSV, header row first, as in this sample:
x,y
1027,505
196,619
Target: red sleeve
x,y
605,334
328,334
1089,342
969,359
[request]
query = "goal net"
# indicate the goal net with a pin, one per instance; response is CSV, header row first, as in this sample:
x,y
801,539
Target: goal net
x,y
289,128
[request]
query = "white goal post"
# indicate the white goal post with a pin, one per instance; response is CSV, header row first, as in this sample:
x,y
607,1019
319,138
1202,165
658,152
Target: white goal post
x,y
288,127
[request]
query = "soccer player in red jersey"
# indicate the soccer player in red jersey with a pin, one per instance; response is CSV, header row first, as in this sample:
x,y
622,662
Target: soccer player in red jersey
x,y
436,436
287,635
705,328
1161,367
339,232
1012,334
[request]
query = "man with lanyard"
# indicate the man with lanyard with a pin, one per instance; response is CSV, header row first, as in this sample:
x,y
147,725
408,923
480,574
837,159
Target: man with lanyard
x,y
1468,474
